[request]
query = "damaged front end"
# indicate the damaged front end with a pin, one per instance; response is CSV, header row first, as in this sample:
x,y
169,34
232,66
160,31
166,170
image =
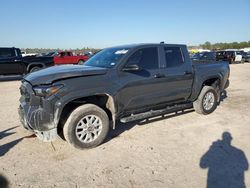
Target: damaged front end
x,y
37,110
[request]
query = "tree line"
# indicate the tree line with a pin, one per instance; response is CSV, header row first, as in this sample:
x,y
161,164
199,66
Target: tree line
x,y
222,45
46,50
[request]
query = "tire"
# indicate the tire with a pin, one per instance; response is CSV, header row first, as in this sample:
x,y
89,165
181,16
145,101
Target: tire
x,y
200,104
79,120
227,84
80,62
34,69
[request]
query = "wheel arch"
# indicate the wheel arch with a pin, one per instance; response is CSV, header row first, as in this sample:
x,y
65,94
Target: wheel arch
x,y
212,81
209,81
31,65
104,101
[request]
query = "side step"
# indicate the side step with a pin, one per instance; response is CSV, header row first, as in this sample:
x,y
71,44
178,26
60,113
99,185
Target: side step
x,y
153,113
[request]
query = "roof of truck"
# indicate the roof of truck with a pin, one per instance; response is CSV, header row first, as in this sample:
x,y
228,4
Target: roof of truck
x,y
144,44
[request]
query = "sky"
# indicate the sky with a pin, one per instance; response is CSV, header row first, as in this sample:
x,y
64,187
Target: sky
x,y
104,23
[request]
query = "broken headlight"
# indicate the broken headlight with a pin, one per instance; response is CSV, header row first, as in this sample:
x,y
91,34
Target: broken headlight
x,y
46,91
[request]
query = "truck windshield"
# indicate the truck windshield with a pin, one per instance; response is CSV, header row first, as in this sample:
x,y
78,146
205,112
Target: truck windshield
x,y
107,58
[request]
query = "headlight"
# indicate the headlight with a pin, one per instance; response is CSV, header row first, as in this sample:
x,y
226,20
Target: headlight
x,y
46,91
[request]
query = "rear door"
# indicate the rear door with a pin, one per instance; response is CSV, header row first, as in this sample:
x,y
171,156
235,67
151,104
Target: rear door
x,y
10,62
177,74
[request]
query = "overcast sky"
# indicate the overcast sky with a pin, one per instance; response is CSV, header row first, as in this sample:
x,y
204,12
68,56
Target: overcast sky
x,y
104,23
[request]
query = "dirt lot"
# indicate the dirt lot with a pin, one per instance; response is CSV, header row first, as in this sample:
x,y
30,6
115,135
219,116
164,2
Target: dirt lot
x,y
168,152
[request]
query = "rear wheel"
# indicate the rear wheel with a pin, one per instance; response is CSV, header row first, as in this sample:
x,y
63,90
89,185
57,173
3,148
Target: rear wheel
x,y
34,69
207,101
86,127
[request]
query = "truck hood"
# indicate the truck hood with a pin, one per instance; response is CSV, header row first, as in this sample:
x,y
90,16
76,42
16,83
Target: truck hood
x,y
49,75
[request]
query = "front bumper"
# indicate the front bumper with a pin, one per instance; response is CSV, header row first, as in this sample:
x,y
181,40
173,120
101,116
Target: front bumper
x,y
37,114
46,136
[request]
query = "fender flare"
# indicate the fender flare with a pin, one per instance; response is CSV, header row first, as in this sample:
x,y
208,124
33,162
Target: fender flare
x,y
35,63
110,105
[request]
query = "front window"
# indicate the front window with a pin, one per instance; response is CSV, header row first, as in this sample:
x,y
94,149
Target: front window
x,y
7,53
107,58
146,58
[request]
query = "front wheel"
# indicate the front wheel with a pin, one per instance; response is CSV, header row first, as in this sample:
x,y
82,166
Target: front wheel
x,y
206,103
86,127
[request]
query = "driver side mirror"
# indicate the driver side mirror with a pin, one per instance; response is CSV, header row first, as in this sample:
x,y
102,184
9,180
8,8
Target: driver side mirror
x,y
128,68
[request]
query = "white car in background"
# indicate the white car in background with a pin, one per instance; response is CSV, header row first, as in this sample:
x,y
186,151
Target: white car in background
x,y
237,55
24,54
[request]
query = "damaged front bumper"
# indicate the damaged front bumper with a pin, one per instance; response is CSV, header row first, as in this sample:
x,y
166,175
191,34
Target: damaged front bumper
x,y
37,114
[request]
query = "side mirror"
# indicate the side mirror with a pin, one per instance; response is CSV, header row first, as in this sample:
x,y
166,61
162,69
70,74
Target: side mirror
x,y
128,68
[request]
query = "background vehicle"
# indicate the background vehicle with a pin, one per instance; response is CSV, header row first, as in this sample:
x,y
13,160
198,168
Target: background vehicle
x,y
51,54
229,55
24,54
204,57
246,57
12,62
124,83
67,57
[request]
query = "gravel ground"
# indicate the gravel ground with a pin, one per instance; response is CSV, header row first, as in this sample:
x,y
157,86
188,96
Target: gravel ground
x,y
185,150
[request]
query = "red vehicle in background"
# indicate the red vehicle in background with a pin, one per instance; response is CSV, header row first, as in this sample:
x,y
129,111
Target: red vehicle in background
x,y
67,57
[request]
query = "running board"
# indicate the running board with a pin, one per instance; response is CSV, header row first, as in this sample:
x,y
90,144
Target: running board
x,y
153,113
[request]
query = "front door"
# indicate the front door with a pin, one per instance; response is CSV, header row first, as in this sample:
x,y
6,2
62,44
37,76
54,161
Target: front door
x,y
140,88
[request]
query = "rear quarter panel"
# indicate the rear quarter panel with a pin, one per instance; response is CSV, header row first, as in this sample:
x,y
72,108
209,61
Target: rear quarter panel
x,y
206,71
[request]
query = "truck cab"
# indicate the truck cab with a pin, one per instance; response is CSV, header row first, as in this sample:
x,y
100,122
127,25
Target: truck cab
x,y
11,61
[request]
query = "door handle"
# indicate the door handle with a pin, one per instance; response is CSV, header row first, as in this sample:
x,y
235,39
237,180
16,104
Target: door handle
x,y
187,72
17,60
159,75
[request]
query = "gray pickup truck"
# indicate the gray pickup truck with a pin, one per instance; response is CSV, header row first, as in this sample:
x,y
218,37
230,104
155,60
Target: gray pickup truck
x,y
124,83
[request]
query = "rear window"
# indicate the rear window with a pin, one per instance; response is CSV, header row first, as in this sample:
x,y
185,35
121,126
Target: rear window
x,y
173,56
7,52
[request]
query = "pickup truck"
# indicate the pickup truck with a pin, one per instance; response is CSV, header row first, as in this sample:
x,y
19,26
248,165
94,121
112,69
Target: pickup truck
x,y
67,57
12,62
124,83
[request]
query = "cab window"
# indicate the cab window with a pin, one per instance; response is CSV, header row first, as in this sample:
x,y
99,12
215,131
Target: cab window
x,y
146,58
7,52
173,56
